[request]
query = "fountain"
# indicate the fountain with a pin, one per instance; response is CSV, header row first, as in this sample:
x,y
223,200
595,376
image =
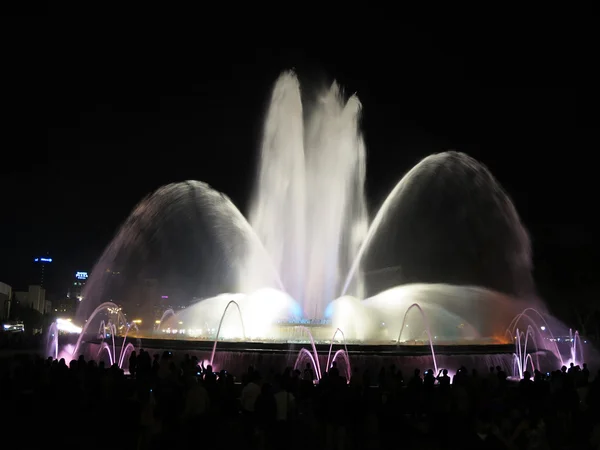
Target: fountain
x,y
117,348
460,254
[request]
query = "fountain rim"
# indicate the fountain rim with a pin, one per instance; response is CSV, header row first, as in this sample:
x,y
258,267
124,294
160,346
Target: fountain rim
x,y
391,349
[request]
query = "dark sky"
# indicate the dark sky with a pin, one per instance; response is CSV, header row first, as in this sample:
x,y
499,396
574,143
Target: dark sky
x,y
115,119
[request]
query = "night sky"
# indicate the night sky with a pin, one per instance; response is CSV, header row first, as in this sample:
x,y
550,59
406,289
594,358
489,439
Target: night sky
x,y
123,118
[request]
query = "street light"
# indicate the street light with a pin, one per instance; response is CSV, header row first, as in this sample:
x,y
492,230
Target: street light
x,y
543,328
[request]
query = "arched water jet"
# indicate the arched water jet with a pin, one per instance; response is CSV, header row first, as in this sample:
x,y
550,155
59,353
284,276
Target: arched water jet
x,y
426,323
152,227
314,349
337,330
169,312
105,346
315,364
483,242
374,227
214,350
123,346
101,330
344,355
100,308
531,333
124,352
523,314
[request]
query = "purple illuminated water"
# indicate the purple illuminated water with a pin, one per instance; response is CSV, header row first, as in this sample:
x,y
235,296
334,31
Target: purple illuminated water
x,y
107,330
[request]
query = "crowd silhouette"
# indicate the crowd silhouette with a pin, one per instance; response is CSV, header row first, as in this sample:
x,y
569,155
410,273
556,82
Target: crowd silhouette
x,y
169,402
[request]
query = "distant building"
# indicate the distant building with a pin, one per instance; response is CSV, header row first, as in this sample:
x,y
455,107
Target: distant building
x,y
41,269
75,290
5,299
68,303
34,298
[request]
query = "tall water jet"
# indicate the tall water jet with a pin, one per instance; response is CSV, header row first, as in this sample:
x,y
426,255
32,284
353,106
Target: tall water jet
x,y
337,331
576,348
309,209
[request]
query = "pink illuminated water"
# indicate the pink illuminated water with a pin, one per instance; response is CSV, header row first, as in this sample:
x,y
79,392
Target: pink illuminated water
x,y
576,348
298,365
331,345
113,329
343,354
315,359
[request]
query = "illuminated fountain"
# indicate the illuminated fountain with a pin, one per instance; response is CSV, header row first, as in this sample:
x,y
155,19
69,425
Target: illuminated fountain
x,y
457,256
536,341
112,336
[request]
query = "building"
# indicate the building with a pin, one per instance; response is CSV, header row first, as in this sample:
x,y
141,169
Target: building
x,y
75,290
41,269
5,299
34,298
68,304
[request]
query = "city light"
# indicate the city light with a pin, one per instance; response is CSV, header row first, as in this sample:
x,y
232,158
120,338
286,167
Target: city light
x,y
543,328
44,260
137,321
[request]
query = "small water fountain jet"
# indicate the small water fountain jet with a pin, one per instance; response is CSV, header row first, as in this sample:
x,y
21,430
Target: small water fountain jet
x,y
337,330
298,365
343,355
314,349
125,347
168,313
231,302
52,341
125,352
426,323
108,330
105,347
537,327
521,355
575,342
101,308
